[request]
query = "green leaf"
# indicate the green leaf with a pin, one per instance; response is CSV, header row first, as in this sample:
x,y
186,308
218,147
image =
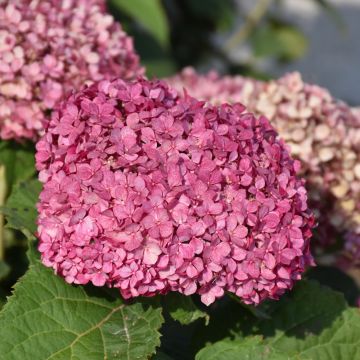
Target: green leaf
x,y
292,42
46,318
182,309
20,208
284,42
150,14
159,67
312,322
337,280
19,161
255,311
251,348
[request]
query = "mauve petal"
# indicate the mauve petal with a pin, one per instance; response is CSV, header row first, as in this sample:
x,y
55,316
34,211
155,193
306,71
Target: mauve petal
x,y
270,261
190,289
166,229
283,273
125,272
272,220
98,279
287,255
186,251
207,298
215,208
191,271
151,253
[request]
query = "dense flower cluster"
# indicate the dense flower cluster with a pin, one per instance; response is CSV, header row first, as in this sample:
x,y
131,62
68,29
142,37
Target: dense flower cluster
x,y
48,48
322,132
151,193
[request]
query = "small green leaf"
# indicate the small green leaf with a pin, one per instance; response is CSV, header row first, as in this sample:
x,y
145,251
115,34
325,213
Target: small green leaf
x,y
19,161
311,322
150,14
282,41
182,309
46,318
264,42
337,280
293,43
20,208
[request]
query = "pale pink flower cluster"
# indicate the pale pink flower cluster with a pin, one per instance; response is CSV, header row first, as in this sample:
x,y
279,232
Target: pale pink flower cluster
x,y
321,131
150,193
49,48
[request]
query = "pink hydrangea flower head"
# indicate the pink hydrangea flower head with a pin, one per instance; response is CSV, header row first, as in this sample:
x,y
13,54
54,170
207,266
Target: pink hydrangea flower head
x,y
149,193
322,132
47,49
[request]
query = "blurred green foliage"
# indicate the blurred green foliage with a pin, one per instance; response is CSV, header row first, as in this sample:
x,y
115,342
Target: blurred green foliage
x,y
172,34
149,14
280,41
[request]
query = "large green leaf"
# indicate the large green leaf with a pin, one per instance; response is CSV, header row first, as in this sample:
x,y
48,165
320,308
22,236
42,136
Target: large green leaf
x,y
150,14
312,323
20,208
46,318
182,309
337,280
251,348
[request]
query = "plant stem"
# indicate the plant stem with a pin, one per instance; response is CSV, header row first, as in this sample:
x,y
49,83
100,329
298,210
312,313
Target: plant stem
x,y
253,18
258,313
2,203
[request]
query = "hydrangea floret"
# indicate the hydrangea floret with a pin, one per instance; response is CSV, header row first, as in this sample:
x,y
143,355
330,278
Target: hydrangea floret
x,y
149,192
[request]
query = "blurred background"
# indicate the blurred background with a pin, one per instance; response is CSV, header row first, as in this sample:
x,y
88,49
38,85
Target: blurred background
x,y
261,38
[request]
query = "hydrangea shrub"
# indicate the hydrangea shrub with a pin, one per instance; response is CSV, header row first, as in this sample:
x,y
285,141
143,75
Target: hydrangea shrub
x,y
168,218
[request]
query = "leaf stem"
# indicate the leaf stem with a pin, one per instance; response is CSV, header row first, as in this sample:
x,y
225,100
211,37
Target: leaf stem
x,y
2,203
253,18
258,313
